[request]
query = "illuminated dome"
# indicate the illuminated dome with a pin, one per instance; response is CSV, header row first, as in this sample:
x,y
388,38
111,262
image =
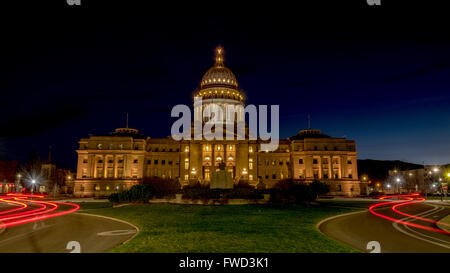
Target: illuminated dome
x,y
219,81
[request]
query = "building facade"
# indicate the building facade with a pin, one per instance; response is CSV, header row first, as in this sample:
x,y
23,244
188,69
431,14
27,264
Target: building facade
x,y
125,157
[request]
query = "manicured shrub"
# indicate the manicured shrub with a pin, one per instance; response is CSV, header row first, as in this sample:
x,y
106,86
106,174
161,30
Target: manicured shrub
x,y
320,188
289,190
161,187
114,198
243,184
137,193
203,193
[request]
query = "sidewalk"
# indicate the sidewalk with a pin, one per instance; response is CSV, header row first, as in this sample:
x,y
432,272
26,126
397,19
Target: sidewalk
x,y
446,220
445,202
80,200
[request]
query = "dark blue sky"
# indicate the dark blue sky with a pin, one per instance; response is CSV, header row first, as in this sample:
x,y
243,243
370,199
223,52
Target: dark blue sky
x,y
380,77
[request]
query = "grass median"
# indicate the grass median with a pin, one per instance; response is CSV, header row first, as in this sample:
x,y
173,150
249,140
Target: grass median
x,y
169,228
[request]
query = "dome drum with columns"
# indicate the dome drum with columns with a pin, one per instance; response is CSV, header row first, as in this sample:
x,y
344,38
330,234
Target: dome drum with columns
x,y
219,88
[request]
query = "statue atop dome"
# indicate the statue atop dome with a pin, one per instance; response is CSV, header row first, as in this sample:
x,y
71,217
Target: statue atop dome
x,y
219,56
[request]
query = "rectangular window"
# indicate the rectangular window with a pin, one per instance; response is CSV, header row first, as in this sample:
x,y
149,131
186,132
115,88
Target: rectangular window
x,y
336,174
315,161
250,177
149,162
156,161
170,162
85,160
301,174
300,161
316,174
186,177
163,162
135,161
207,175
349,161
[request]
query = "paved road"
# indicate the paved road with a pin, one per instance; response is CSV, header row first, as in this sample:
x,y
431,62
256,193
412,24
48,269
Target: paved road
x,y
94,234
360,228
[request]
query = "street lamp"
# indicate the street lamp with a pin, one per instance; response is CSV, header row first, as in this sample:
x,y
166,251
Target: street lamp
x,y
398,185
33,182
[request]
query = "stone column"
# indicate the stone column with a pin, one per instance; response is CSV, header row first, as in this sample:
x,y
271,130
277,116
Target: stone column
x,y
105,166
320,167
115,166
330,167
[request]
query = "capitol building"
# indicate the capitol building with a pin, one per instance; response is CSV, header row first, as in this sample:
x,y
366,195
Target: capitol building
x,y
124,158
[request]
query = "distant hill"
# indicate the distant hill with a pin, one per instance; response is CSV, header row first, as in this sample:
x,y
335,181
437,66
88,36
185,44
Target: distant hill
x,y
379,169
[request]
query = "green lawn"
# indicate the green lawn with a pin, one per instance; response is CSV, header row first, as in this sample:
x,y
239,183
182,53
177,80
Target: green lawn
x,y
429,197
234,228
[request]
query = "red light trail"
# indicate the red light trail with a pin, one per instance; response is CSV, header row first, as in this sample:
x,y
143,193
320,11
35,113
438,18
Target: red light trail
x,y
406,200
45,209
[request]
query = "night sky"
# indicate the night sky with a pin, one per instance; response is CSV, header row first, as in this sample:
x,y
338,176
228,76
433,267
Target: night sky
x,y
377,75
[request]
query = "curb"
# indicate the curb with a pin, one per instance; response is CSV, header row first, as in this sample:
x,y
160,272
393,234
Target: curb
x,y
336,216
117,220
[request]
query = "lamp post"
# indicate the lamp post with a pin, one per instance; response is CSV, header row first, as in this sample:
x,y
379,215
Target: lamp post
x,y
19,176
439,181
33,182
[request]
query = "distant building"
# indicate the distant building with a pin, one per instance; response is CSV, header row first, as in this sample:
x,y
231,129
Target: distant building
x,y
8,170
427,179
125,157
54,180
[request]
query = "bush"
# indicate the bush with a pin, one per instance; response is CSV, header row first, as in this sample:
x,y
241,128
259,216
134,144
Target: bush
x,y
303,193
319,188
162,187
114,198
288,190
137,193
197,185
243,184
205,194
